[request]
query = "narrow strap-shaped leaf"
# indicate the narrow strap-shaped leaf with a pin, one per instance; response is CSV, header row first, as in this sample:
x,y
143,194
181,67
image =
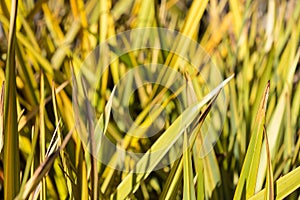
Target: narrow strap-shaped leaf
x,y
270,185
249,171
11,138
188,183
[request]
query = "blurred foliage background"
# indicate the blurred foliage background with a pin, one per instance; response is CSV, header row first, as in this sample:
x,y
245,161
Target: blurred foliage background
x,y
255,40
